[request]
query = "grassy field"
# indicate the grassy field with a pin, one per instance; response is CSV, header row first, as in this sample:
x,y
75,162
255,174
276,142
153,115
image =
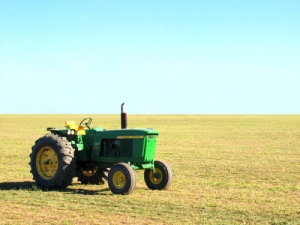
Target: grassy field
x,y
227,169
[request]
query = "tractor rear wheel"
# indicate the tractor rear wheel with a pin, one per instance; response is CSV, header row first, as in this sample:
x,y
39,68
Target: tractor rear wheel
x,y
94,176
121,179
161,179
52,162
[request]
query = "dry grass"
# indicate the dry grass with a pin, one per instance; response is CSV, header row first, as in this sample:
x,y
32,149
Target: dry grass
x,y
235,169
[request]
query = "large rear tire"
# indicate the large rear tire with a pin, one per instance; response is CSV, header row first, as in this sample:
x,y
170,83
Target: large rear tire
x,y
52,162
121,179
161,179
95,176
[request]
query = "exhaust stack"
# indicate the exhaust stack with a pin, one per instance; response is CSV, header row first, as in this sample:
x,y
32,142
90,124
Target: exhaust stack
x,y
123,118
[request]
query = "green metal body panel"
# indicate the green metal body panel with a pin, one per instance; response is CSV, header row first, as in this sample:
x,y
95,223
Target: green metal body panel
x,y
105,148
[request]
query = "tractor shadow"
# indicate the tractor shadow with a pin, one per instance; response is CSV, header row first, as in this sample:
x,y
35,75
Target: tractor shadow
x,y
72,189
25,185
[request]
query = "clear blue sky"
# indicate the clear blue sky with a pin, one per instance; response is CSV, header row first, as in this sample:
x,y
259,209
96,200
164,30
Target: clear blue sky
x,y
159,57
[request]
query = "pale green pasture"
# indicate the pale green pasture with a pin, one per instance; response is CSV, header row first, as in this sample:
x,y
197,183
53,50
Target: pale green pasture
x,y
228,169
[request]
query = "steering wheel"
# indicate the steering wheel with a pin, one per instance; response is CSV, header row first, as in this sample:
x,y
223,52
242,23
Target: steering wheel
x,y
86,122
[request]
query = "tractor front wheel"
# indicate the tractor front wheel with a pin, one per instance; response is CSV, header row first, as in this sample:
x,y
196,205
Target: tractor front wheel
x,y
52,162
161,179
121,179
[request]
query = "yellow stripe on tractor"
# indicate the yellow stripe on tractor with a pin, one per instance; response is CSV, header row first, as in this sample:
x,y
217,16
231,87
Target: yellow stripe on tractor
x,y
129,137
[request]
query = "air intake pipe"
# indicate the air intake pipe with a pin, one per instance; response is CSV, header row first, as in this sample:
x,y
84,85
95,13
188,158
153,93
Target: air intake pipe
x,y
123,118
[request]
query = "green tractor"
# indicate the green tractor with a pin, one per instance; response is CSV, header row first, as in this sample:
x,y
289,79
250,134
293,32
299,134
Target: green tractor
x,y
96,156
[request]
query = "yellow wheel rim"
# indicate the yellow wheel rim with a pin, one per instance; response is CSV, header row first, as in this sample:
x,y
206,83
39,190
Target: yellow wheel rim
x,y
157,177
89,173
119,179
46,163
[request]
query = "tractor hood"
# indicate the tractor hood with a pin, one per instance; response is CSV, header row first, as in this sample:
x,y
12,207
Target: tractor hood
x,y
135,131
127,133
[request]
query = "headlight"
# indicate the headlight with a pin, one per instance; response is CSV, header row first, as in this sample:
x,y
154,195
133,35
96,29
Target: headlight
x,y
71,132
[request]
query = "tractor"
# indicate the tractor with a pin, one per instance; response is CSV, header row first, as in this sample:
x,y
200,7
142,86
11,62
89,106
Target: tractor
x,y
96,156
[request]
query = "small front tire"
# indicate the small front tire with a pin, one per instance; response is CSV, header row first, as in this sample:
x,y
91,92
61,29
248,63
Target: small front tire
x,y
121,179
161,179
